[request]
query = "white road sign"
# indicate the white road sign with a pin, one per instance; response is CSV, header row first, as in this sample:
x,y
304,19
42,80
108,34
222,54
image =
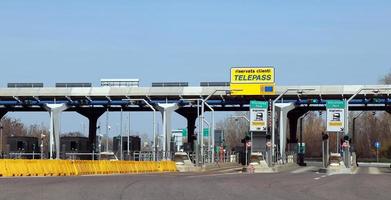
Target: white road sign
x,y
335,116
258,115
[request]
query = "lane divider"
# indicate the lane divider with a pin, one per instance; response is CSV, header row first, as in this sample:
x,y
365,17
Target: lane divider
x,y
21,167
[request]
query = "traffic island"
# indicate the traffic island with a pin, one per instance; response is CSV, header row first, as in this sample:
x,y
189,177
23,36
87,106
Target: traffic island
x,y
262,167
339,168
221,167
210,167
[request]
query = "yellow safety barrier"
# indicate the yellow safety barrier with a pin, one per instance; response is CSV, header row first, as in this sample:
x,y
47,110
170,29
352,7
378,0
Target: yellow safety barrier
x,y
9,167
167,166
3,169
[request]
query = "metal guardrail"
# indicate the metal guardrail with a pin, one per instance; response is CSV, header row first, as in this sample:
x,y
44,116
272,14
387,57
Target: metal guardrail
x,y
21,155
75,156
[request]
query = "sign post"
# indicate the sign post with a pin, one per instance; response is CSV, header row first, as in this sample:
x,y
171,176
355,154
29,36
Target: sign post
x,y
336,123
335,118
377,146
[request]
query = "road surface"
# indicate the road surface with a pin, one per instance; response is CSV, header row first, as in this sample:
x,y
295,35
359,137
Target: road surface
x,y
300,183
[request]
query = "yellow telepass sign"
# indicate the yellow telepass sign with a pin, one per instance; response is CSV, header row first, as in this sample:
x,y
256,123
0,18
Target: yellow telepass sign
x,y
253,89
252,75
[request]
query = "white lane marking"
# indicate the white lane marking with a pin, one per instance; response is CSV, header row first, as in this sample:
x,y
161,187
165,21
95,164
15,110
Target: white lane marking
x,y
212,175
303,169
323,176
373,170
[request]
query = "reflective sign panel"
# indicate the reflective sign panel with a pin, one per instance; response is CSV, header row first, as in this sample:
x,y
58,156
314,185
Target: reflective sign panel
x,y
253,89
252,75
258,115
335,116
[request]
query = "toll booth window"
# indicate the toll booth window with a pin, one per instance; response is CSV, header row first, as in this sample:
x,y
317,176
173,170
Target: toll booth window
x,y
20,145
73,145
124,145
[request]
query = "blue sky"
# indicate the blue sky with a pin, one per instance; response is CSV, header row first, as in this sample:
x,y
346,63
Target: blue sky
x,y
309,42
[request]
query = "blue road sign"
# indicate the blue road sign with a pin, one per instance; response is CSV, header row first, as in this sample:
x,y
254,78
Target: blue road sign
x,y
377,145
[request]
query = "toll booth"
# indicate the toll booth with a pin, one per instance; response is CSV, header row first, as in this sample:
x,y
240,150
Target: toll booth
x,y
242,154
259,142
76,148
134,145
25,147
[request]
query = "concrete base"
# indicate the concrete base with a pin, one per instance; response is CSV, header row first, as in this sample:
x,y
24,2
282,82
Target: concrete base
x,y
341,169
221,167
187,168
264,168
210,167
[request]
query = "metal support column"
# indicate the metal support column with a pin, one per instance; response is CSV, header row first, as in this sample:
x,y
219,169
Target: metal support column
x,y
121,136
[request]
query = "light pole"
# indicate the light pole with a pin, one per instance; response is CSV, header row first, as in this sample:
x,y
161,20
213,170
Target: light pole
x,y
300,152
212,134
107,129
209,138
153,124
375,90
241,116
346,131
377,148
120,134
42,137
203,103
128,148
1,139
236,117
354,129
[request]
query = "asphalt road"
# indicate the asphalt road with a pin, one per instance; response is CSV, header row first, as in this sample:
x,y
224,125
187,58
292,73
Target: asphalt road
x,y
302,183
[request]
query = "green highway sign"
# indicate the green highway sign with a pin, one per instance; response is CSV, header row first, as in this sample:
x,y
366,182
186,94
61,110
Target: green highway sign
x,y
335,104
184,132
206,132
259,104
258,115
301,148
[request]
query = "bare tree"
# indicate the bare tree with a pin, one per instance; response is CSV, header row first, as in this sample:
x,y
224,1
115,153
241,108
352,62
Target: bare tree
x,y
313,127
386,79
234,129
